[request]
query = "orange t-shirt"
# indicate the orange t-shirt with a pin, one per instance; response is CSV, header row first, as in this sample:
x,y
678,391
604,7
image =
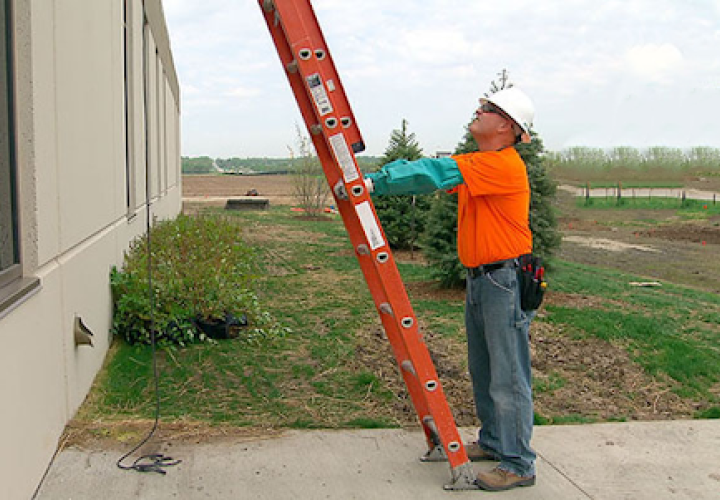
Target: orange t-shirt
x,y
493,207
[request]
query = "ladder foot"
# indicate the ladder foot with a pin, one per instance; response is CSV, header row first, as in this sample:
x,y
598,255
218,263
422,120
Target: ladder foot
x,y
463,478
436,454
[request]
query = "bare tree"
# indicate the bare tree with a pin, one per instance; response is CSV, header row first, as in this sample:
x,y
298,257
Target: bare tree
x,y
503,82
310,187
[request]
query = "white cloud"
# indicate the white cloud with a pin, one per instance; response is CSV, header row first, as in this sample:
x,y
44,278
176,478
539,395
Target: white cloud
x,y
435,46
190,90
599,72
654,62
243,92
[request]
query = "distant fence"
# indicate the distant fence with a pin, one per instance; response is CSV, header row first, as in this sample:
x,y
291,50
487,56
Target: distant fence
x,y
618,192
256,174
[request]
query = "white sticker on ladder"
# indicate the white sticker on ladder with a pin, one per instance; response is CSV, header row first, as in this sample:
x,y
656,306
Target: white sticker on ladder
x,y
370,225
343,156
317,89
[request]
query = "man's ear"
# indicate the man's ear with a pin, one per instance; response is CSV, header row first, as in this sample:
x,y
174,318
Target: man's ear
x,y
505,125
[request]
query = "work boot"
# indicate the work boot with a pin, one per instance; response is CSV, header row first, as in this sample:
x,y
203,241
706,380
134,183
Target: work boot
x,y
476,454
499,480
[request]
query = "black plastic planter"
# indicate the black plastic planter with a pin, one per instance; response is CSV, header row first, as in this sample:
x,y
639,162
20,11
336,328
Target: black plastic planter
x,y
221,329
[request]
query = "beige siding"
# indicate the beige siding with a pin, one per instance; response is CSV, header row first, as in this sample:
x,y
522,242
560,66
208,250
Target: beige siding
x,y
81,156
136,105
89,110
45,134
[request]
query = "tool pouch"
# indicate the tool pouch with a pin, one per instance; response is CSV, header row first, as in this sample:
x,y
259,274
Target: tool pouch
x,y
531,282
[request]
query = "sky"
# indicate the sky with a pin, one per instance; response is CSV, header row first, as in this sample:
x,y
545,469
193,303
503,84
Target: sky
x,y
602,73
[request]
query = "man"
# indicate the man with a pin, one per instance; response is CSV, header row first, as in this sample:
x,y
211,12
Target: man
x,y
493,232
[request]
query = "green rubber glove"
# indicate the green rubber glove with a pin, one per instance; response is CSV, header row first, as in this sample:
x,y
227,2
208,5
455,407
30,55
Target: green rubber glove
x,y
415,177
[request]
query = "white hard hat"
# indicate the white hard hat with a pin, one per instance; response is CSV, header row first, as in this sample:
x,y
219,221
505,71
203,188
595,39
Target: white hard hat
x,y
517,105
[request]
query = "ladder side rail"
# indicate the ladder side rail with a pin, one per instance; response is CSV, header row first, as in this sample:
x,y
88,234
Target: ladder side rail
x,y
307,41
382,303
289,64
405,365
344,111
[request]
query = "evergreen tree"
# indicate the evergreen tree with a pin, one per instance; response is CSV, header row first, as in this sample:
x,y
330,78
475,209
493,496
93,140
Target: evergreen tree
x,y
543,224
440,238
439,241
402,217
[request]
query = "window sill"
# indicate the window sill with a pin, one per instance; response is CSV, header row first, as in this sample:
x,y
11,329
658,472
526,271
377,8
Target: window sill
x,y
16,292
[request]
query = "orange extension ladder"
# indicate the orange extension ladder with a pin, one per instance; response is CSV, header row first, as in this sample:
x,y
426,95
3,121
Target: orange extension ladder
x,y
336,137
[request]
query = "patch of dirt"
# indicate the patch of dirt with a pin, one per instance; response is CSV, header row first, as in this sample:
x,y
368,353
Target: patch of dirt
x,y
374,353
123,435
261,235
215,189
607,244
428,290
680,261
685,253
596,379
704,183
575,300
693,233
586,378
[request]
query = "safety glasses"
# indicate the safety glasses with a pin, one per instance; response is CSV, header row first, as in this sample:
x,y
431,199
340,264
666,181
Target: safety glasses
x,y
488,107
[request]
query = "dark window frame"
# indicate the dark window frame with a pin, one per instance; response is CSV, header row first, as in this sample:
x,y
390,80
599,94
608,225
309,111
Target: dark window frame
x,y
15,288
14,270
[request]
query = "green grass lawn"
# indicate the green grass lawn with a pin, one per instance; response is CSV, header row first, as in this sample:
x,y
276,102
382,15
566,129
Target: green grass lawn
x,y
312,377
669,330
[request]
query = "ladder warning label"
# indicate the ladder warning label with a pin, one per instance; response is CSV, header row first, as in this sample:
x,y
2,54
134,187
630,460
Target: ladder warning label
x,y
343,156
317,89
370,225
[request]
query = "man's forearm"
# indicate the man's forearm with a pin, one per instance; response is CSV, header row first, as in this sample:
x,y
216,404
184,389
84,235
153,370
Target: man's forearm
x,y
416,177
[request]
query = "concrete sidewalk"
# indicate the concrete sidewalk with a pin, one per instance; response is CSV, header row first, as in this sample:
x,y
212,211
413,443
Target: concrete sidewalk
x,y
644,460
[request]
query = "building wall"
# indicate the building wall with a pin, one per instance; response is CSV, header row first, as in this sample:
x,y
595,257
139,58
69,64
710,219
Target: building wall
x,y
97,113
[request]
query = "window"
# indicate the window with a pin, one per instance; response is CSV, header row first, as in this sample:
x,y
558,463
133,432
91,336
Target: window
x,y
9,245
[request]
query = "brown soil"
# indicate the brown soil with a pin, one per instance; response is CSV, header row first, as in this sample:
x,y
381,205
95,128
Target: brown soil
x,y
683,251
121,435
215,189
585,379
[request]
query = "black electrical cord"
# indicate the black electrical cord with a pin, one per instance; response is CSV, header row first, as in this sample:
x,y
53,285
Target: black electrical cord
x,y
152,462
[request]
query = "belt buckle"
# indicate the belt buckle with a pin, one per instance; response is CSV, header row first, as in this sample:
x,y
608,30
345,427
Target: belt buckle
x,y
474,272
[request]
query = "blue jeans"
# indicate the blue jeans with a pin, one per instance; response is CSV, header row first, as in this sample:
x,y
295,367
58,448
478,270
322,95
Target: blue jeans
x,y
499,363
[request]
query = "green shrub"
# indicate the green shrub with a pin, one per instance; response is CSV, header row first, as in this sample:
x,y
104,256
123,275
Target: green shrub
x,y
201,270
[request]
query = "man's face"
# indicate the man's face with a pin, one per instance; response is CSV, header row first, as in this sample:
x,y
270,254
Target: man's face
x,y
488,118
